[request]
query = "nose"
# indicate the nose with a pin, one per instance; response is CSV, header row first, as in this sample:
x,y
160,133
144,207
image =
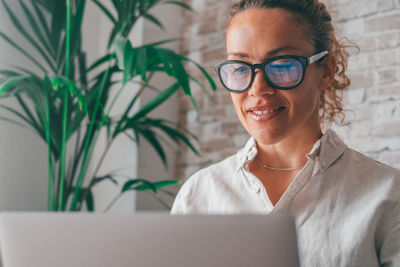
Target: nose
x,y
260,86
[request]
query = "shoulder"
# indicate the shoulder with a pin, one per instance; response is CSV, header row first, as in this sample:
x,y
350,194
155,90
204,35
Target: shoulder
x,y
361,179
223,171
356,165
354,174
193,196
347,160
210,175
366,164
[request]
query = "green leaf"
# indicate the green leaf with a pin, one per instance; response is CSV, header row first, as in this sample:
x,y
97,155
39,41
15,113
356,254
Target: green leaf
x,y
176,135
22,51
178,71
82,69
18,114
158,185
36,28
101,61
43,22
13,122
102,178
24,70
8,73
119,46
105,11
162,42
154,20
10,83
208,77
57,25
63,83
133,184
27,36
113,35
27,111
142,63
76,34
151,137
155,102
129,62
48,5
89,200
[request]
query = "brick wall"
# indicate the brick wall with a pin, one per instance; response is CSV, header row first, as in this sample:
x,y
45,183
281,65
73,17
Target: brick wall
x,y
374,97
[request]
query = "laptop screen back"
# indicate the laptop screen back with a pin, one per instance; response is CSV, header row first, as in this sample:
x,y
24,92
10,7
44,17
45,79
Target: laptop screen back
x,y
146,240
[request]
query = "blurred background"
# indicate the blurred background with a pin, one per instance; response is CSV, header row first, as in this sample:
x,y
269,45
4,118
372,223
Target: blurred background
x,y
372,103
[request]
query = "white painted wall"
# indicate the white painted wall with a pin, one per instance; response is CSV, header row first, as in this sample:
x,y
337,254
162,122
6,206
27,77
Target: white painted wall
x,y
23,158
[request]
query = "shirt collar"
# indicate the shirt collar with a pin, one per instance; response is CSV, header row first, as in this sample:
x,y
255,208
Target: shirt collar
x,y
332,147
327,149
246,154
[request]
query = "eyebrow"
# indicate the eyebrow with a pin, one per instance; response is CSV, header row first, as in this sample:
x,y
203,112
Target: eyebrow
x,y
270,53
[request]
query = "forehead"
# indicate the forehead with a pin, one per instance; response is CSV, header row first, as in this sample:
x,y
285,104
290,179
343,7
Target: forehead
x,y
257,31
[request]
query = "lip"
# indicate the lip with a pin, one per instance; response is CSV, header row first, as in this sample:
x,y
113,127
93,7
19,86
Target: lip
x,y
264,113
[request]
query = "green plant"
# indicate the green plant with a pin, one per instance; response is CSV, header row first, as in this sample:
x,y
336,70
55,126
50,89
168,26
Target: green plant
x,y
67,103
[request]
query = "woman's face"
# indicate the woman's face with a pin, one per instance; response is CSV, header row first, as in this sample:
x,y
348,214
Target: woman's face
x,y
268,114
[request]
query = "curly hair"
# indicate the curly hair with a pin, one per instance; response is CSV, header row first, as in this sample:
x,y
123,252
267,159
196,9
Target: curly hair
x,y
322,34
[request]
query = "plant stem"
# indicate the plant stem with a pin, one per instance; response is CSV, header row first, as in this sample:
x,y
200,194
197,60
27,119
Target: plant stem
x,y
102,157
65,111
68,38
138,93
63,154
115,99
51,204
88,146
76,160
112,202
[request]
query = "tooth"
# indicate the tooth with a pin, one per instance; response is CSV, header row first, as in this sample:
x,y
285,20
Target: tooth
x,y
264,112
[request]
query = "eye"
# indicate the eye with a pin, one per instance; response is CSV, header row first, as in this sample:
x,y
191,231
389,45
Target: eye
x,y
282,65
240,70
284,71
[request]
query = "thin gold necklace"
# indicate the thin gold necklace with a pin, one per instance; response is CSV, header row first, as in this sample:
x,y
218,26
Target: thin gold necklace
x,y
278,169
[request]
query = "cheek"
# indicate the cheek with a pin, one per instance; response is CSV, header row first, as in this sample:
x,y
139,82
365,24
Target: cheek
x,y
238,102
308,100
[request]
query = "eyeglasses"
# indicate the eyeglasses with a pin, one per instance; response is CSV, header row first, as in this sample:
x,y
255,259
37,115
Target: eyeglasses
x,y
282,72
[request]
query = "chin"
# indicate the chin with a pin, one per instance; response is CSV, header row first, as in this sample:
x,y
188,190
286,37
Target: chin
x,y
268,137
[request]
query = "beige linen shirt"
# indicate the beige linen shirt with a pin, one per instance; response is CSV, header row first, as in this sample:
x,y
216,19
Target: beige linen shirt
x,y
346,205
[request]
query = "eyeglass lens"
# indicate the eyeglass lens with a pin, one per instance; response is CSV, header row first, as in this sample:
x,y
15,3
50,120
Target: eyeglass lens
x,y
236,76
281,72
284,72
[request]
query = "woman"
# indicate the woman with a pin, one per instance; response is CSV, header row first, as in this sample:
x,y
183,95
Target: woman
x,y
285,73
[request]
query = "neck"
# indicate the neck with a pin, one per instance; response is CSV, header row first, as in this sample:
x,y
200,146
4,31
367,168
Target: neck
x,y
289,152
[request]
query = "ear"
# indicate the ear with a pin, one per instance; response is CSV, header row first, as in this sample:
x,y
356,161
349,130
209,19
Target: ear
x,y
328,74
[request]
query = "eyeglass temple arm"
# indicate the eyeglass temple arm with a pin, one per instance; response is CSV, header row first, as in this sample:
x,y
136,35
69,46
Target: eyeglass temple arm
x,y
316,57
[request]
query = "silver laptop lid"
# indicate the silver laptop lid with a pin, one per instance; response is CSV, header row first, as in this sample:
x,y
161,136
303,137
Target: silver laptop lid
x,y
146,240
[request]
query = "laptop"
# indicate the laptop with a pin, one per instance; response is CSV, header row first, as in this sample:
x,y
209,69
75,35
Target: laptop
x,y
147,240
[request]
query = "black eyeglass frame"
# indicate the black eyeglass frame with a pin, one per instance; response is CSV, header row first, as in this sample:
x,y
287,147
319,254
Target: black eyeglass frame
x,y
304,61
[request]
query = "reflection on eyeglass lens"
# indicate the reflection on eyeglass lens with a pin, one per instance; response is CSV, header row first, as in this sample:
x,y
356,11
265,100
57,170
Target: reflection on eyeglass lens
x,y
284,71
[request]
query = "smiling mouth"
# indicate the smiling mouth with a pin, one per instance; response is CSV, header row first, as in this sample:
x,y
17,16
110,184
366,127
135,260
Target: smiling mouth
x,y
266,114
